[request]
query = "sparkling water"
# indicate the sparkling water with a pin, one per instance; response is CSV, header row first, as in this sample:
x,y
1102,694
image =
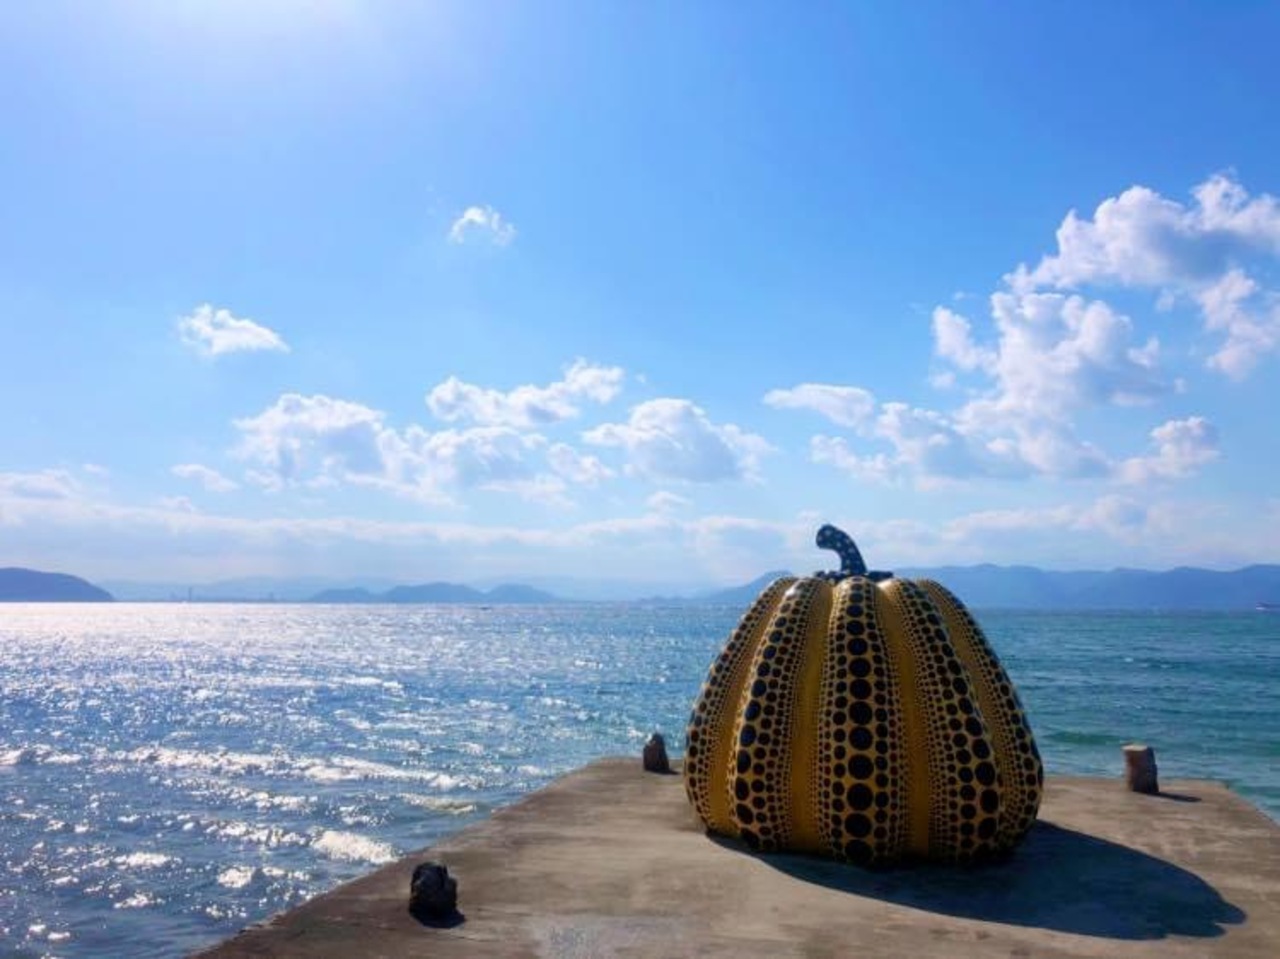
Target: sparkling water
x,y
170,773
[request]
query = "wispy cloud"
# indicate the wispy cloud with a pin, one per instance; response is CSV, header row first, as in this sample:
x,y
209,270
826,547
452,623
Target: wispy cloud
x,y
214,332
482,223
206,476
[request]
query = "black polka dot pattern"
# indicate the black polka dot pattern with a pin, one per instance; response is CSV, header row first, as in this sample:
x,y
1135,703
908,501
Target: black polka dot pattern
x,y
861,812
768,724
957,742
715,711
1017,759
865,719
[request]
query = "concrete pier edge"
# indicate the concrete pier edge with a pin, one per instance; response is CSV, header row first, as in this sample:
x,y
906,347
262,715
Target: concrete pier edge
x,y
609,860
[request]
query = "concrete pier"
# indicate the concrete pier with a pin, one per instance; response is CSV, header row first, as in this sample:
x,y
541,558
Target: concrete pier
x,y
609,861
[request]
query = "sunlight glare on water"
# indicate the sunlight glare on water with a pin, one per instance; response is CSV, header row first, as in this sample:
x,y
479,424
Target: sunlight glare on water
x,y
173,772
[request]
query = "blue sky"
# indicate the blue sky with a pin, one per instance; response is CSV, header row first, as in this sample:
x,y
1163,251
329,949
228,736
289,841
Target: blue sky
x,y
647,291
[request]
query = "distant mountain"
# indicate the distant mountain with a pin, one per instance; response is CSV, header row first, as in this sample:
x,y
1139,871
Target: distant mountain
x,y
518,593
732,596
245,589
31,586
433,593
356,595
439,593
1026,587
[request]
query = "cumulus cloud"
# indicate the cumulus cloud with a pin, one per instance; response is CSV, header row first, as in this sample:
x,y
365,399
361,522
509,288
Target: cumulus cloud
x,y
1181,448
953,340
484,223
298,434
844,405
213,332
577,467
674,439
1049,352
1207,251
318,440
206,476
526,406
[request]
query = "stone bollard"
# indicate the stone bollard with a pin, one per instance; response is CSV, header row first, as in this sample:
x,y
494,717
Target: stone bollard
x,y
655,755
1140,769
433,893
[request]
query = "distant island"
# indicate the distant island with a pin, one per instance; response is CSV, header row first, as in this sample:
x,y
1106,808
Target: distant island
x,y
439,593
981,587
1028,588
18,585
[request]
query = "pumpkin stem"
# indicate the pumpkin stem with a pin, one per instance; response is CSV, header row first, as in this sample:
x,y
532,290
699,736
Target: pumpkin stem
x,y
851,561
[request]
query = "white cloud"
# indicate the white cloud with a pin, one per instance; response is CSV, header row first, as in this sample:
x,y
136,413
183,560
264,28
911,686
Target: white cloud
x,y
93,536
1181,448
318,440
50,484
666,502
1049,353
179,504
484,457
526,406
215,332
299,434
577,467
849,406
483,222
1249,316
1141,240
953,341
206,476
674,439
1057,354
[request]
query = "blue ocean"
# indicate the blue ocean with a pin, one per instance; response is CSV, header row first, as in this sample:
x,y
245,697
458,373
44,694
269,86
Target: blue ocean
x,y
170,773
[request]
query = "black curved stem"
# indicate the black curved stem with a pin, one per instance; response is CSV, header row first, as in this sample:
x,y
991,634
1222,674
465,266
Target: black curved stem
x,y
851,562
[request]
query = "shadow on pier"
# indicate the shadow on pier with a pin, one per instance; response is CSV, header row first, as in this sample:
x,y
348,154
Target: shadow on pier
x,y
1058,879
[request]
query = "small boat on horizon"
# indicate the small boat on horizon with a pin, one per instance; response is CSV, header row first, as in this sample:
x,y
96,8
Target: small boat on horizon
x,y
1268,607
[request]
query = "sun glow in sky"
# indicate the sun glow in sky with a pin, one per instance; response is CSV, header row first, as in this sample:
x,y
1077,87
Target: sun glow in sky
x,y
637,291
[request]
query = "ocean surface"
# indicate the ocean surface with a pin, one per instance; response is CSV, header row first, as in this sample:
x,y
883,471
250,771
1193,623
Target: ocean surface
x,y
170,773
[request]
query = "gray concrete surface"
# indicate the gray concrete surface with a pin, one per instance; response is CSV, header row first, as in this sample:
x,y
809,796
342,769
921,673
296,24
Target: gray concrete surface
x,y
609,861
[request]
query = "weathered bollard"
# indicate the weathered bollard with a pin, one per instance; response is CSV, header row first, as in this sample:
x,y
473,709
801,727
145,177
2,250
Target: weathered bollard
x,y
433,893
655,755
1140,769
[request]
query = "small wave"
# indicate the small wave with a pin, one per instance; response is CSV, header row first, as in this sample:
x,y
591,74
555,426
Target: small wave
x,y
354,847
237,877
38,755
144,860
1075,738
139,900
453,807
270,837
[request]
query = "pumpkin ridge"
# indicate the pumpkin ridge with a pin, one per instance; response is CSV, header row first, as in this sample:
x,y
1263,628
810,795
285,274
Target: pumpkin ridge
x,y
916,734
860,802
764,730
1016,756
965,814
806,708
709,750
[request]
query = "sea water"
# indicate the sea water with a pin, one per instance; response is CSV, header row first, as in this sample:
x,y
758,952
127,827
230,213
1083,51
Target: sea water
x,y
170,773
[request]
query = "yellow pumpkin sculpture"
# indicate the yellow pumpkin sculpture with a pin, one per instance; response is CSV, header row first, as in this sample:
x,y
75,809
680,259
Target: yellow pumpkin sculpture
x,y
863,717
